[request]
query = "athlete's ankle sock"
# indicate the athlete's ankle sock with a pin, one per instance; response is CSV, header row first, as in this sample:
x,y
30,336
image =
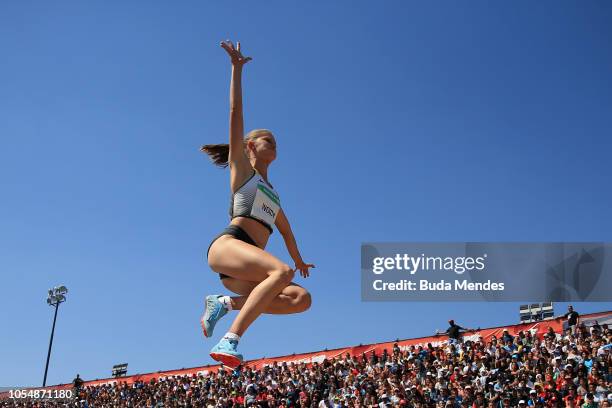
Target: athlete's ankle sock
x,y
226,301
232,336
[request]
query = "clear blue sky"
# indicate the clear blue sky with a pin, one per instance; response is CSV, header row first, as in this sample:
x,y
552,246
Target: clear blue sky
x,y
395,121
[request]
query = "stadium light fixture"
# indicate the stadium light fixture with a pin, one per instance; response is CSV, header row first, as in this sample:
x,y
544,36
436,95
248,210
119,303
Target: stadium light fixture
x,y
120,370
548,310
55,297
535,312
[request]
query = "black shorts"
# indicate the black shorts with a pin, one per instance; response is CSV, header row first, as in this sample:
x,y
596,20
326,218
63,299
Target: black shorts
x,y
236,232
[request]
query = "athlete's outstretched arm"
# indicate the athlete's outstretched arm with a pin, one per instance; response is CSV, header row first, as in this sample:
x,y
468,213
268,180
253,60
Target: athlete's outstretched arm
x,y
282,223
239,163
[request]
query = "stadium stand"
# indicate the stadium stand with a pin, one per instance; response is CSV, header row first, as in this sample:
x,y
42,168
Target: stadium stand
x,y
533,365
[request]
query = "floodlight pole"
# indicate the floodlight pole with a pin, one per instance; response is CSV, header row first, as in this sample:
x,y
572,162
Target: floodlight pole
x,y
57,303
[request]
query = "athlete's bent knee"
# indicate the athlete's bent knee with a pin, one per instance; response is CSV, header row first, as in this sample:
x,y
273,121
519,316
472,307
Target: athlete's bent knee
x,y
305,301
285,274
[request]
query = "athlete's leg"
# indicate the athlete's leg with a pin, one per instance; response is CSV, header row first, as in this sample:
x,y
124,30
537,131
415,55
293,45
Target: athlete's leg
x,y
243,261
292,299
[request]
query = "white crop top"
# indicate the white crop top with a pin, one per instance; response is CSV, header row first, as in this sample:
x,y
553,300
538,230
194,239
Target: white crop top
x,y
255,199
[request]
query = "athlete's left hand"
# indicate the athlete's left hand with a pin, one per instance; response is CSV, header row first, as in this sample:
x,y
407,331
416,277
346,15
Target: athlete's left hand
x,y
303,267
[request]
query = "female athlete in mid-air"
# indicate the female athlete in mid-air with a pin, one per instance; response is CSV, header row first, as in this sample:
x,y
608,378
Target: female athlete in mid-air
x,y
262,281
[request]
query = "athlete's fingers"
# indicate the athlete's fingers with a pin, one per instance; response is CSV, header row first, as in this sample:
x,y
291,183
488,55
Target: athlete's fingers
x,y
227,48
238,45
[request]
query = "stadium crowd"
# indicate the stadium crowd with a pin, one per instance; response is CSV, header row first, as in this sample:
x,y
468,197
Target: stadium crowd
x,y
573,369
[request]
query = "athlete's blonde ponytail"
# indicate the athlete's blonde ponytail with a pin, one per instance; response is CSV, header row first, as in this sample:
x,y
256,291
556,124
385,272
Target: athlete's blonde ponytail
x,y
219,153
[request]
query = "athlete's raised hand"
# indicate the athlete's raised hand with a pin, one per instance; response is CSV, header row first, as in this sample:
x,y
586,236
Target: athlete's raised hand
x,y
236,56
303,267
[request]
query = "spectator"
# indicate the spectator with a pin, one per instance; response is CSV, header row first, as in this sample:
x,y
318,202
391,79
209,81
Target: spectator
x,y
454,331
507,337
572,319
590,402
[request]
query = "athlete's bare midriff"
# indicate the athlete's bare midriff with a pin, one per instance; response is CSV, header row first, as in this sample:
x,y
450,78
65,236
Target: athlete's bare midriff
x,y
256,231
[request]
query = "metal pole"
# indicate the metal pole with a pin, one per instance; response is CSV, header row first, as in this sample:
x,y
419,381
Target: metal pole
x,y
50,343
